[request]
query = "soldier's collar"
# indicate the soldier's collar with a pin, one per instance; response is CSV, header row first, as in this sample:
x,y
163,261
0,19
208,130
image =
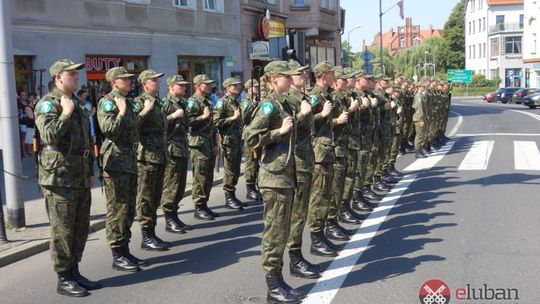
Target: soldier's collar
x,y
171,97
58,94
117,93
145,95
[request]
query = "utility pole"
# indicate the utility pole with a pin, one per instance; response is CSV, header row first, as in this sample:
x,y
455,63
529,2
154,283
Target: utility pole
x,y
9,123
380,36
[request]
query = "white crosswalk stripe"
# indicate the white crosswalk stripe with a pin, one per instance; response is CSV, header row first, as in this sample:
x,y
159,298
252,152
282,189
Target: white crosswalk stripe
x,y
478,156
526,155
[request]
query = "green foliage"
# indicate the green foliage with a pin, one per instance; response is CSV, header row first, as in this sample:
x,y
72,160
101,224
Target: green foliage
x,y
472,91
453,53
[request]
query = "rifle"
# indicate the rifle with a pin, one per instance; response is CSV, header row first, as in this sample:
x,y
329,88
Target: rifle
x,y
97,147
36,148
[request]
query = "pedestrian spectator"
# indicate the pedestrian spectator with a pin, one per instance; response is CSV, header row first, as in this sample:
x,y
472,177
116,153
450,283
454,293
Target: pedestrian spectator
x,y
50,87
82,94
214,96
21,104
30,124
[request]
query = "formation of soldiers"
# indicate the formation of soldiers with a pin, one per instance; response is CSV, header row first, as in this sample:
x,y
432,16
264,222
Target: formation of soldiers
x,y
318,156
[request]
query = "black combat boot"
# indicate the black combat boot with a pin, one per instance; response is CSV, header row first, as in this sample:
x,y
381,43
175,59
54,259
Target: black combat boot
x,y
253,193
277,292
346,215
165,243
379,185
301,268
171,223
212,213
361,204
392,170
295,292
68,286
84,282
122,262
132,258
231,202
334,232
361,217
150,242
435,146
320,247
182,224
202,214
427,148
402,150
369,194
388,179
420,154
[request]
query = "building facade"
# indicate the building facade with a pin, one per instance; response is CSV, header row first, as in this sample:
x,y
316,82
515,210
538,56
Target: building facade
x,y
531,44
186,37
406,36
494,40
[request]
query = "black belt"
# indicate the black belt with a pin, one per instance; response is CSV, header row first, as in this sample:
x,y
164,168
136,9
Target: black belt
x,y
278,147
122,143
82,153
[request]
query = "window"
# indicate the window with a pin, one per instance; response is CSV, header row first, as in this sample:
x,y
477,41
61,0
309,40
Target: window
x,y
479,25
512,45
484,53
484,23
469,27
479,50
472,5
274,2
328,4
474,51
473,27
191,4
499,22
402,42
480,5
495,47
214,6
470,56
415,40
521,20
299,3
145,2
533,50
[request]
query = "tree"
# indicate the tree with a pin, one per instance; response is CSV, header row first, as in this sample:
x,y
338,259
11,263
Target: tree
x,y
453,51
347,52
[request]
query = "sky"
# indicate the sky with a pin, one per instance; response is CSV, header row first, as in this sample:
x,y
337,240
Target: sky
x,y
366,14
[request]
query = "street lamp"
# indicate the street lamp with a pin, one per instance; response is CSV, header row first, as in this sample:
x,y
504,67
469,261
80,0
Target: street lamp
x,y
349,40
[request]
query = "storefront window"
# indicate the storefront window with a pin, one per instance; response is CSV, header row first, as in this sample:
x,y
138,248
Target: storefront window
x,y
322,53
189,67
24,74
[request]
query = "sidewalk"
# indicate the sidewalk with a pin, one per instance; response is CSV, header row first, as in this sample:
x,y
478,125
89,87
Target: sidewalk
x,y
34,238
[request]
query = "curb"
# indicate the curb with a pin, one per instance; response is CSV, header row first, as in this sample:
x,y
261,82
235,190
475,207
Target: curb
x,y
31,248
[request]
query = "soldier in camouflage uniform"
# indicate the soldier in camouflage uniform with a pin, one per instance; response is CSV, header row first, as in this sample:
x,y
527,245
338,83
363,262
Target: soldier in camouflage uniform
x,y
203,147
323,148
419,121
64,176
174,182
272,129
397,124
151,158
341,113
228,120
118,125
251,166
304,163
408,126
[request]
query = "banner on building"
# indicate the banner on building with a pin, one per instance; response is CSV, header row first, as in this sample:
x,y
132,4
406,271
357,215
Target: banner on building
x,y
277,29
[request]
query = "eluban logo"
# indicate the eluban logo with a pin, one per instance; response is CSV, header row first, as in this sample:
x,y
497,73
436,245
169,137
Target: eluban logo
x,y
434,291
486,293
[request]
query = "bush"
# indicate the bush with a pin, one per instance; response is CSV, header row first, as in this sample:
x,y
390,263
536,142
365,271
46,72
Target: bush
x,y
473,91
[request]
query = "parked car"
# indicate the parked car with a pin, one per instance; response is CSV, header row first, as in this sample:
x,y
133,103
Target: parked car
x,y
521,93
505,94
532,100
489,96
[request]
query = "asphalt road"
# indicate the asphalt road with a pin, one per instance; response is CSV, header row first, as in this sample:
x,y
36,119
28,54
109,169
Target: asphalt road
x,y
468,216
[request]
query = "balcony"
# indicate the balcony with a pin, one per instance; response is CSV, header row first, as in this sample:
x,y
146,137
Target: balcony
x,y
505,27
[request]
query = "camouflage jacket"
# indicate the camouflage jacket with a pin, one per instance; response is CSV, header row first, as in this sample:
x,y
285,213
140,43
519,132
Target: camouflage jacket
x,y
177,145
201,136
305,159
277,163
355,133
365,115
152,130
230,131
418,107
341,132
65,160
323,144
120,133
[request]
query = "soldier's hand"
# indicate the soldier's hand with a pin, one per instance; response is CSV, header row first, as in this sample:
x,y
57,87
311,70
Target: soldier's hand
x,y
393,104
422,123
354,105
286,126
387,106
178,114
67,105
374,101
206,113
399,110
148,106
236,114
327,109
343,118
121,104
305,108
365,102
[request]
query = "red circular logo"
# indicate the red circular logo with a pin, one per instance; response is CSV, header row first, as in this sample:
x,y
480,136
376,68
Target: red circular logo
x,y
434,291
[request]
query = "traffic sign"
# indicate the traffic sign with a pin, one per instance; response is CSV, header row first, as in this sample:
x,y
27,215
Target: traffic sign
x,y
367,55
460,76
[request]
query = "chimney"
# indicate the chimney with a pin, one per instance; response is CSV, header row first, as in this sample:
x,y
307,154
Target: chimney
x,y
431,28
391,30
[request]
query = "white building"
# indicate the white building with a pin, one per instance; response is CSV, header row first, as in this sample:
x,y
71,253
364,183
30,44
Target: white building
x,y
531,45
493,39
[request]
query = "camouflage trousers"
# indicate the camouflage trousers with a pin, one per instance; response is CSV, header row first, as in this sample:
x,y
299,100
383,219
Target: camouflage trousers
x,y
121,192
419,139
363,160
321,195
277,220
299,210
251,166
396,143
373,160
69,214
384,154
338,183
203,176
174,183
149,190
350,176
232,158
